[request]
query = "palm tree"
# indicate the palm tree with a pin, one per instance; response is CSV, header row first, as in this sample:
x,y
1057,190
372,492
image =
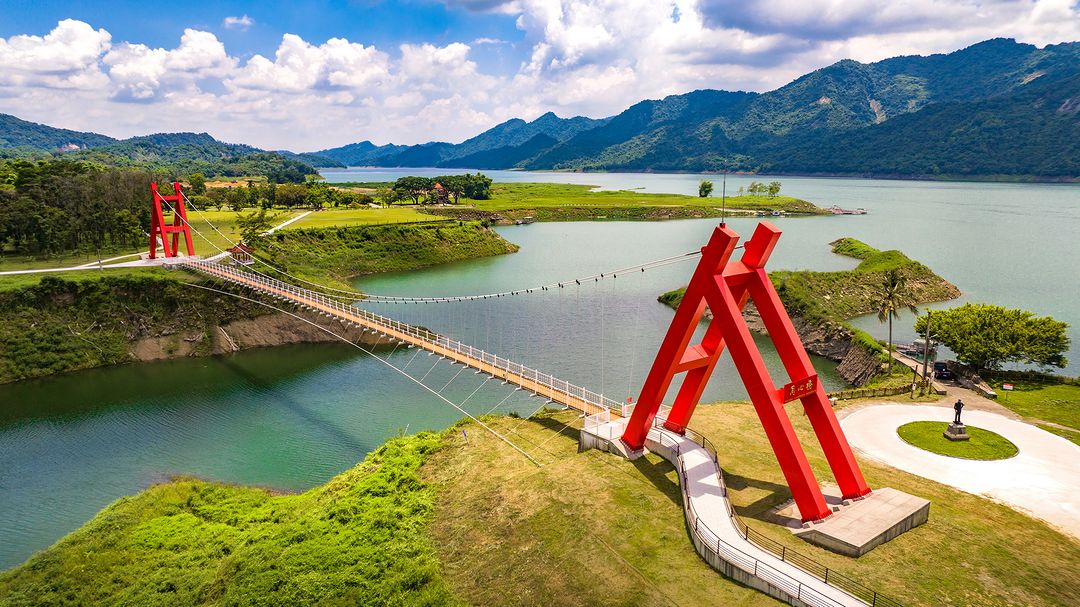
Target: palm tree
x,y
892,297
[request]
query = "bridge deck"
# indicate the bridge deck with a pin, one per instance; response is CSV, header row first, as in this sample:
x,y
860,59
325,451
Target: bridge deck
x,y
541,384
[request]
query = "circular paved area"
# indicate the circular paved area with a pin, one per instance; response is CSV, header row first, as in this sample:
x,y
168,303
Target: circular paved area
x,y
1042,480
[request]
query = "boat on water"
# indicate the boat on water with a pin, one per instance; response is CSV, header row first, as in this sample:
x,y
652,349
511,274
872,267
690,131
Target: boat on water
x,y
916,349
837,210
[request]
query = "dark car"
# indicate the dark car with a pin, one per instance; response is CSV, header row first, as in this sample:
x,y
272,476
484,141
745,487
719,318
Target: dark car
x,y
941,371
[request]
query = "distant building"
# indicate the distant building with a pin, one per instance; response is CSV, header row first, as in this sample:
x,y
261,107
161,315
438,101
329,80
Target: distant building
x,y
241,255
439,194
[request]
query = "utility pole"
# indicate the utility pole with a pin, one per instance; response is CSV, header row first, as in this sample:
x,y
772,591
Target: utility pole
x,y
926,352
723,201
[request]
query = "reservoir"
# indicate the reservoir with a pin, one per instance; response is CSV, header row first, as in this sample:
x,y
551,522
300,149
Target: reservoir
x,y
292,417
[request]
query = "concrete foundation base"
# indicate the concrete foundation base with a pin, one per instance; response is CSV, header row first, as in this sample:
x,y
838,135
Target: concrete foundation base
x,y
860,525
956,432
607,437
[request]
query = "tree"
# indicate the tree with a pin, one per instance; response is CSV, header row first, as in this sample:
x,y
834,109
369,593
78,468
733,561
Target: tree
x,y
453,185
477,187
387,196
893,296
774,188
704,189
318,194
413,187
255,223
987,336
290,194
236,198
197,181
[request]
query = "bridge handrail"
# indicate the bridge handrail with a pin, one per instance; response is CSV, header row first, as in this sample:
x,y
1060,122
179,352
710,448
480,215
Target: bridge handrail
x,y
306,297
733,555
829,576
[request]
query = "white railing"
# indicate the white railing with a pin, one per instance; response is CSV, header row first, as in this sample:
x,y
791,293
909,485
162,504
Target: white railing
x,y
711,540
423,337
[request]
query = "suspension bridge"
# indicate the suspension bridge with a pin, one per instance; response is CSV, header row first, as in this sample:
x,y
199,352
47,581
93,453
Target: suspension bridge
x,y
721,284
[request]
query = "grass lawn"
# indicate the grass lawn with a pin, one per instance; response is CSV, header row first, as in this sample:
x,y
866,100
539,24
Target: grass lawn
x,y
984,444
1058,404
593,529
512,196
19,281
349,217
10,262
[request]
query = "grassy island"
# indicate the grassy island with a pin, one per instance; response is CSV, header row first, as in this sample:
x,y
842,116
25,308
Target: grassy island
x,y
565,202
983,445
575,202
435,520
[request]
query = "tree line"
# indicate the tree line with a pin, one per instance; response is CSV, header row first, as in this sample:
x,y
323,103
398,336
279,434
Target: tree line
x,y
438,190
771,189
61,206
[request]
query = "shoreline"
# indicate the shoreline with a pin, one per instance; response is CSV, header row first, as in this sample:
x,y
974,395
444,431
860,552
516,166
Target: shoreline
x,y
1021,179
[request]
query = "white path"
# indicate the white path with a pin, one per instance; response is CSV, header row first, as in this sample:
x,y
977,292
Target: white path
x,y
287,223
708,503
1042,480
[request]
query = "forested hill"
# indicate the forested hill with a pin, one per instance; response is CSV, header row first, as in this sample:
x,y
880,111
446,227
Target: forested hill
x,y
172,153
998,108
16,133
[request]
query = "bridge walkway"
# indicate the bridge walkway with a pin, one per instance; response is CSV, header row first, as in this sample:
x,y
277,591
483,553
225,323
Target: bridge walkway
x,y
541,384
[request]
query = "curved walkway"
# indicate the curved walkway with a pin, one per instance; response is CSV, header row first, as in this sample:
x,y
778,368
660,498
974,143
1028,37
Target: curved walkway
x,y
709,517
1041,480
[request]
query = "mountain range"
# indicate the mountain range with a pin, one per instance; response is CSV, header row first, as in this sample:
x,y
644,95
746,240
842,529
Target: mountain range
x,y
997,109
175,154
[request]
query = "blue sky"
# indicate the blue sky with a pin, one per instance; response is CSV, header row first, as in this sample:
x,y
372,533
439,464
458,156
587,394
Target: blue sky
x,y
374,22
310,75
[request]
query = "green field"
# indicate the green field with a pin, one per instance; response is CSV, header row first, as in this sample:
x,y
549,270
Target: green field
x,y
19,281
506,196
568,202
543,201
332,218
984,444
1058,404
477,523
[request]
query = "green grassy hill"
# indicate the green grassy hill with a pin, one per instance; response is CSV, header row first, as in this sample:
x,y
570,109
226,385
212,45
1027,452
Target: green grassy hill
x,y
361,539
342,253
437,520
58,323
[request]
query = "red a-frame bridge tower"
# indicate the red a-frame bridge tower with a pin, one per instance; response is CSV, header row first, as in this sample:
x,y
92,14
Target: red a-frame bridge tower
x,y
160,231
725,286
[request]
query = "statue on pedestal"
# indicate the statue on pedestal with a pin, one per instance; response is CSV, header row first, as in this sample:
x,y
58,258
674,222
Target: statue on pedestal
x,y
956,430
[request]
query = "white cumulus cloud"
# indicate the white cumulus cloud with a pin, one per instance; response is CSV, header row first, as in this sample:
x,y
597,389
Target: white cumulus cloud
x,y
591,57
241,23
